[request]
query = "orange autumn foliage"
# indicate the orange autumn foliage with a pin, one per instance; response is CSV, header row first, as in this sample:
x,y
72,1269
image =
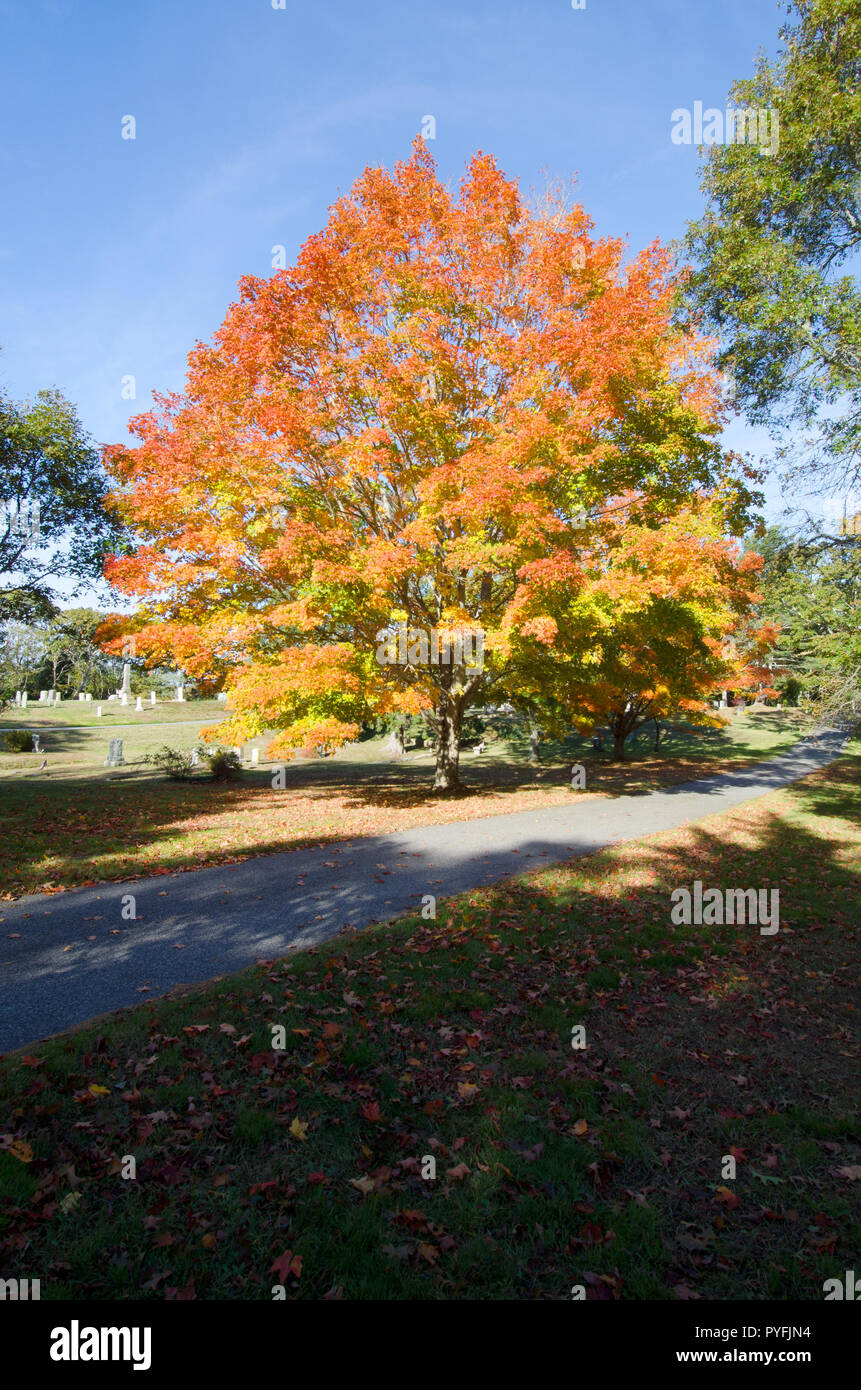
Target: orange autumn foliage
x,y
448,408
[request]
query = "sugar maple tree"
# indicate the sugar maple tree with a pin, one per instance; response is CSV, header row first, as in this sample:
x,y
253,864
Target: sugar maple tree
x,y
450,410
646,636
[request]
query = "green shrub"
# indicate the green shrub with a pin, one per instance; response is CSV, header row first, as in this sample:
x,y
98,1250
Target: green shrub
x,y
175,763
223,766
19,741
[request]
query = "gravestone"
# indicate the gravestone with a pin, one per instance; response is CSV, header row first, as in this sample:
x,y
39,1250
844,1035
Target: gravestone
x,y
36,747
180,693
195,757
17,699
87,698
23,699
221,696
255,756
124,699
152,697
98,711
115,754
43,695
139,705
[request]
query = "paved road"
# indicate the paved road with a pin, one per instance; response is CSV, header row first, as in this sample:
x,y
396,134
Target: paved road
x,y
66,958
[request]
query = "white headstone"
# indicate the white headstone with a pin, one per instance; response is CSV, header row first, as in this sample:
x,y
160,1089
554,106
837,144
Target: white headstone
x,y
152,697
255,756
139,705
195,757
36,748
58,699
43,695
238,751
124,699
180,692
17,698
80,696
126,685
24,699
99,711
87,698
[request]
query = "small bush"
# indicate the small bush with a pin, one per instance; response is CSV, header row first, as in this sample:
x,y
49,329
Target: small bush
x,y
19,741
224,766
175,763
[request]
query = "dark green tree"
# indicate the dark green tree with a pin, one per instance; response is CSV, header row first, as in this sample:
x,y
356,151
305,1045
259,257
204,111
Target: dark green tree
x,y
52,486
773,274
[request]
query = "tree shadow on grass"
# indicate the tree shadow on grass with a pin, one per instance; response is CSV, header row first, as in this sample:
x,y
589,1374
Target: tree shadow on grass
x,y
601,1165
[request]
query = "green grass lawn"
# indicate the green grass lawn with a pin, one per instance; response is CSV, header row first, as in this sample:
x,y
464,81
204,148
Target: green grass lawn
x,y
556,1167
80,822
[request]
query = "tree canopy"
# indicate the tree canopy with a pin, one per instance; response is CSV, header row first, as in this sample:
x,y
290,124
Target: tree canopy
x,y
776,250
454,413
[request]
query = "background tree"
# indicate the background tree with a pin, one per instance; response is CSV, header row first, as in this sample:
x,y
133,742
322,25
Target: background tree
x,y
810,592
775,248
433,418
52,484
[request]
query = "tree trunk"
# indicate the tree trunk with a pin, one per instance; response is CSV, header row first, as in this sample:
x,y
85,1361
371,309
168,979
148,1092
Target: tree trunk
x,y
448,725
657,735
619,745
534,741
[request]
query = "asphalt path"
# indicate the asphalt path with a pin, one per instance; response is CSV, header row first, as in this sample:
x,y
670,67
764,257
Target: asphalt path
x,y
69,957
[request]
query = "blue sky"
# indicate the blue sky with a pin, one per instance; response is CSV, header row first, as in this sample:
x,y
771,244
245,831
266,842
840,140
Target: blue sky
x,y
116,255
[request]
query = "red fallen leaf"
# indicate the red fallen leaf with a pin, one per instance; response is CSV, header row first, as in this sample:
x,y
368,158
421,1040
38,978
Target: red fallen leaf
x,y
32,1061
657,1080
372,1112
261,1187
285,1265
330,1030
729,1198
739,1154
459,1172
433,1107
316,1178
411,1218
605,1285
591,1234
